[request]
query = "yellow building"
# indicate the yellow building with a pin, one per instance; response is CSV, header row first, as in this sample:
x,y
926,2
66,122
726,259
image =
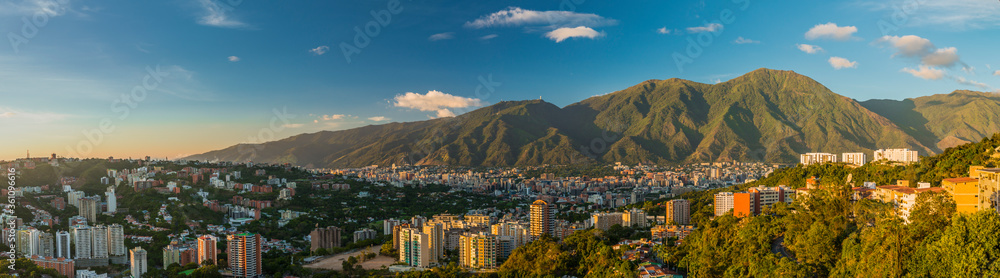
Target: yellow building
x,y
965,192
979,191
903,198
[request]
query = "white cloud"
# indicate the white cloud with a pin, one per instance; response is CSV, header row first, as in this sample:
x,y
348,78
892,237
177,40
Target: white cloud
x,y
378,118
488,37
292,125
442,36
997,73
742,40
942,57
561,34
921,48
334,117
841,63
909,45
233,59
831,31
515,16
952,14
34,117
217,15
711,27
962,80
319,50
663,30
811,49
52,8
925,72
435,101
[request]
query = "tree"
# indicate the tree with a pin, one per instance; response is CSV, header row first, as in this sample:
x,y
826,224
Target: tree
x,y
970,247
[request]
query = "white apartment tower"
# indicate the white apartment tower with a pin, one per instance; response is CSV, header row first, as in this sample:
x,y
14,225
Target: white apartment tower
x,y
99,247
116,241
723,203
63,243
897,155
817,158
83,240
858,159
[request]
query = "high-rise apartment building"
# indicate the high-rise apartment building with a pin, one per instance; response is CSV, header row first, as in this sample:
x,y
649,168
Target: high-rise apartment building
x,y
542,219
116,241
414,248
137,258
99,244
858,159
634,218
435,238
325,238
112,200
207,249
244,255
604,220
817,158
723,203
678,211
478,251
63,243
83,242
89,208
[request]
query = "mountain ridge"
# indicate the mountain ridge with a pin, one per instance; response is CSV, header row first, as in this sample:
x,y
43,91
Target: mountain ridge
x,y
765,115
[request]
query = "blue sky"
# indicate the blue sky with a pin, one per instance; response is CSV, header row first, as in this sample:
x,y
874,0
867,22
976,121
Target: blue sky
x,y
216,72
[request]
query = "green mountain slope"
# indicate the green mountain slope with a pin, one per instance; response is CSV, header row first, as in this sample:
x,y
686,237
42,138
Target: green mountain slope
x,y
765,115
944,120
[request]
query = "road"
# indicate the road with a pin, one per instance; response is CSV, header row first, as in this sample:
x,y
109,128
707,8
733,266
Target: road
x,y
778,247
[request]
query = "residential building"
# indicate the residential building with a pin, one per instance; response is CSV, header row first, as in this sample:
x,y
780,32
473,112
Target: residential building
x,y
902,197
634,218
86,273
723,203
896,155
62,265
744,204
542,219
89,207
73,198
414,248
325,238
99,243
207,249
478,251
63,243
817,158
516,233
666,231
244,255
678,211
112,200
116,241
858,159
965,192
137,258
83,239
604,220
364,234
436,240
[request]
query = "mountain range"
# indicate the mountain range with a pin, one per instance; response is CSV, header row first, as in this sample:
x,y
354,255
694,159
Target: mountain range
x,y
765,115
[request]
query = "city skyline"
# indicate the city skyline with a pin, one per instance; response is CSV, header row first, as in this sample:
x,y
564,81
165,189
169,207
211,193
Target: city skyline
x,y
218,73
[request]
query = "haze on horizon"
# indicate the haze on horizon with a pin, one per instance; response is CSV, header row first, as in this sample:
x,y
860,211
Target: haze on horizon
x,y
174,78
